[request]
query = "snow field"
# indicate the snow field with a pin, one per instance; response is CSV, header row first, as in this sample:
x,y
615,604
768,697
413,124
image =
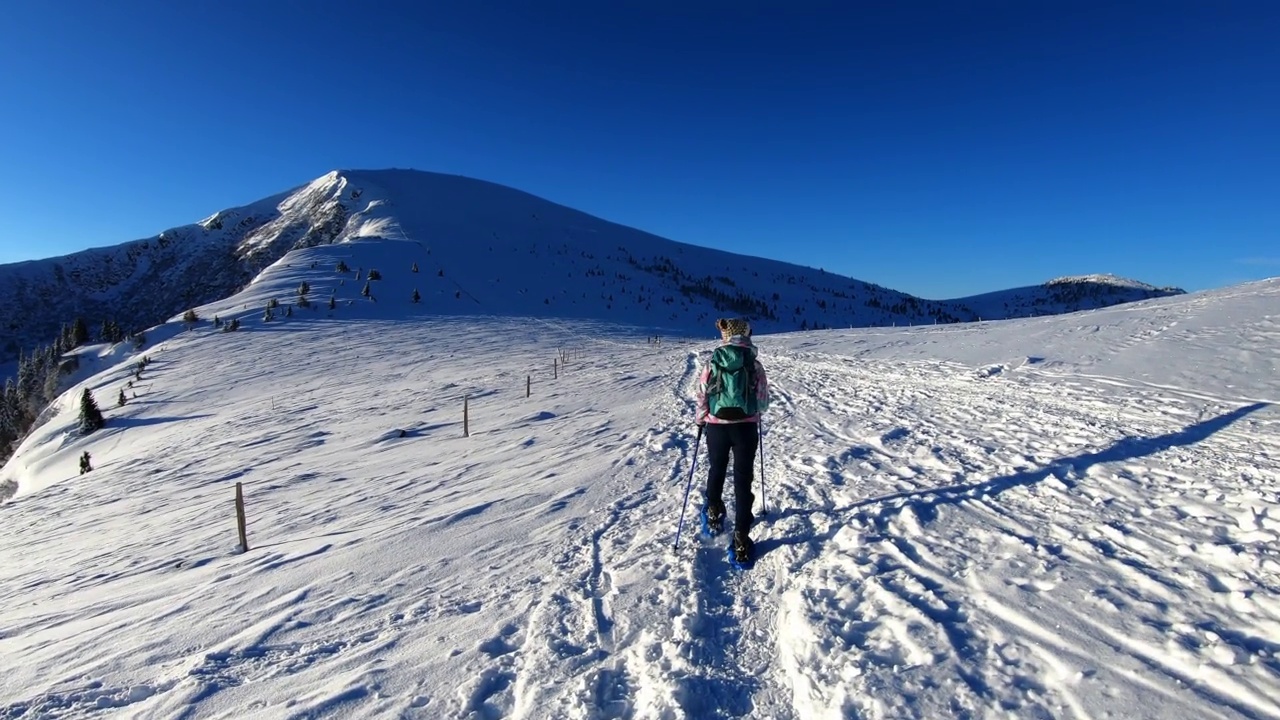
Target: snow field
x,y
954,530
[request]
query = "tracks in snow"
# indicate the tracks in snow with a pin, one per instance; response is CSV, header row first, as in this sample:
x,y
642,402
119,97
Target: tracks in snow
x,y
943,542
950,535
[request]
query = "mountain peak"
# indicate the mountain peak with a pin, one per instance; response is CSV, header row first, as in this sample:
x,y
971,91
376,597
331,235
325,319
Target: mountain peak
x,y
482,248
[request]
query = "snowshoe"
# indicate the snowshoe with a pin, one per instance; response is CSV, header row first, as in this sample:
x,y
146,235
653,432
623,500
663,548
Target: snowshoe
x,y
742,553
712,524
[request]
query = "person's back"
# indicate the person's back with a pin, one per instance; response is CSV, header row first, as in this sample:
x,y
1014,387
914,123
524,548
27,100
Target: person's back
x,y
732,393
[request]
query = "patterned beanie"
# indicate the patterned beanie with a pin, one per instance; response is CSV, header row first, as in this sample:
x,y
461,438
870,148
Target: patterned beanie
x,y
735,326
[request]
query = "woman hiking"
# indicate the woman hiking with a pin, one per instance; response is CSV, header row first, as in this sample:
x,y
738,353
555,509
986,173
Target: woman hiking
x,y
732,392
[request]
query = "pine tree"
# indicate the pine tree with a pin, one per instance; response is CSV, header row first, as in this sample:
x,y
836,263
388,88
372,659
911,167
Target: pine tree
x,y
375,275
342,267
51,371
79,333
190,318
304,288
90,416
415,267
120,401
416,296
10,414
85,464
332,302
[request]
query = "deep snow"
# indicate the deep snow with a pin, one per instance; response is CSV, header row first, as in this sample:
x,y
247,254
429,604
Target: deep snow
x,y
1074,516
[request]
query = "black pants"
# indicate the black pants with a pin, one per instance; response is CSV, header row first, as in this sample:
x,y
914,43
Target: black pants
x,y
742,440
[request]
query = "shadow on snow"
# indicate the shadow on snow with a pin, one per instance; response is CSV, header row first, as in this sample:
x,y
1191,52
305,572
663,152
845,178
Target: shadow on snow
x,y
924,502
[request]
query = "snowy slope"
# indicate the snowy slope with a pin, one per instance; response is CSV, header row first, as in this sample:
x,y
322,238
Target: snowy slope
x,y
1059,517
1063,295
500,249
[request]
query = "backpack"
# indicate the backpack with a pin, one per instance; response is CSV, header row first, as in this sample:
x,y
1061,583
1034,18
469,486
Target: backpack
x,y
731,388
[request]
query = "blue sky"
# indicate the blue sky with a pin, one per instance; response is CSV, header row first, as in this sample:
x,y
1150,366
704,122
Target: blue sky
x,y
941,148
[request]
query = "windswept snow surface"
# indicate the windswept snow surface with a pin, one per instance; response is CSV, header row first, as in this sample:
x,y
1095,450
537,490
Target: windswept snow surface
x,y
1063,517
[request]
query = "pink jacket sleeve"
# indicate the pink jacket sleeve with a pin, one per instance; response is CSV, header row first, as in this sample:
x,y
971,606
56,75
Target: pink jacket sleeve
x,y
762,390
704,377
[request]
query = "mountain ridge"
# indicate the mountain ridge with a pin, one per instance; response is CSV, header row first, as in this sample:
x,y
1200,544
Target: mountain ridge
x,y
143,282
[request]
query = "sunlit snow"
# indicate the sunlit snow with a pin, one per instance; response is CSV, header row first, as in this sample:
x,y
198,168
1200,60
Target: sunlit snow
x,y
1072,516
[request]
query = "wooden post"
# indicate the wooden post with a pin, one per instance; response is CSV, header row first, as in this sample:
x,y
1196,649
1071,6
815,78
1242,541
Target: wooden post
x,y
555,368
528,385
240,522
466,417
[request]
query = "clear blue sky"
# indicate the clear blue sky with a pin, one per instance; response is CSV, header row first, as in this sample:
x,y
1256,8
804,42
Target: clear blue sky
x,y
938,148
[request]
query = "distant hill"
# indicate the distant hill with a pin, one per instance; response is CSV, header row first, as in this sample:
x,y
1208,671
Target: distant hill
x,y
1063,295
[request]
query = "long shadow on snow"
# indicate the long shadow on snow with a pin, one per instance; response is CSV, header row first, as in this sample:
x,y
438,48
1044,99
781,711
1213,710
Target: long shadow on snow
x,y
925,502
721,687
127,422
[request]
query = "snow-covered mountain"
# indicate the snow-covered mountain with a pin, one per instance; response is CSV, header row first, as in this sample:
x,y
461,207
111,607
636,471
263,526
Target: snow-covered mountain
x,y
479,247
1063,295
1069,516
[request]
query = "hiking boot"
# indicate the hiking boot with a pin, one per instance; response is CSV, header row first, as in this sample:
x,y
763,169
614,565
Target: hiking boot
x,y
744,551
714,520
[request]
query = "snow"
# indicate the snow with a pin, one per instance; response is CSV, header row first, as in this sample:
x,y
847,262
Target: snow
x,y
1071,516
500,248
1101,279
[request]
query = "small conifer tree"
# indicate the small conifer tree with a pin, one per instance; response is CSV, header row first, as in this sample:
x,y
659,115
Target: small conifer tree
x,y
90,416
85,464
79,332
288,310
415,267
342,267
416,296
332,302
375,275
190,318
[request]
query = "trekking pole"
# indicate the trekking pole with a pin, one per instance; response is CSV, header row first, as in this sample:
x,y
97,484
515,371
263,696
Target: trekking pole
x,y
688,486
764,493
